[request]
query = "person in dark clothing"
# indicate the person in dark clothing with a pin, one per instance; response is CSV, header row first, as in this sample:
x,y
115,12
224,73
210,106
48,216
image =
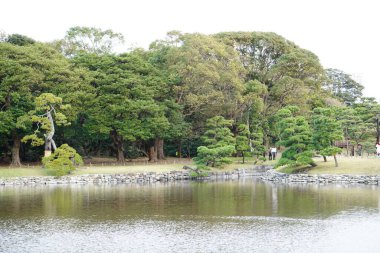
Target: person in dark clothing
x,y
270,153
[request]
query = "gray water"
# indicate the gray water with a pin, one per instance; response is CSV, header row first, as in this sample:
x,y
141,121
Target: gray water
x,y
220,216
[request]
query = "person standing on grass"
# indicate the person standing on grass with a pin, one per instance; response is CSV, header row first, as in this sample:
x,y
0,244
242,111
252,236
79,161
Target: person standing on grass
x,y
270,153
273,152
378,149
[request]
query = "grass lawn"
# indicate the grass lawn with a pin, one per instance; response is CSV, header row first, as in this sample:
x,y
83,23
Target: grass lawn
x,y
21,172
101,166
110,166
348,165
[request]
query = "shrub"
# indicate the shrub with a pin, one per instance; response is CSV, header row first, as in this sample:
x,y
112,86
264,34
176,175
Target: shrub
x,y
62,161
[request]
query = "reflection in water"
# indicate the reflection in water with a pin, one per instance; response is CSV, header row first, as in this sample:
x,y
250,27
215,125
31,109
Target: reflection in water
x,y
227,216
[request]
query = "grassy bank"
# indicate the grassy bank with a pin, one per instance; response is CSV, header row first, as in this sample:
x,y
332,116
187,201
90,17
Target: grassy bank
x,y
110,166
348,165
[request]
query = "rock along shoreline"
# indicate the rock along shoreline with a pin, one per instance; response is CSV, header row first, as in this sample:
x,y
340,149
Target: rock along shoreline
x,y
275,176
262,172
148,177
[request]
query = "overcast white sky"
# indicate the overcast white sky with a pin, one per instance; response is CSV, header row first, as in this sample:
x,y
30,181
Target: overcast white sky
x,y
344,34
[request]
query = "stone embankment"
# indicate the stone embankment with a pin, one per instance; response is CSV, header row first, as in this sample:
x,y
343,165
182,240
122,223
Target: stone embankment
x,y
150,177
274,176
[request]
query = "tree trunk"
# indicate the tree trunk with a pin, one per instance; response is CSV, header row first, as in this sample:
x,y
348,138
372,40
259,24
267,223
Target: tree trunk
x,y
179,152
16,151
188,150
242,153
152,152
324,159
160,149
118,145
336,161
49,142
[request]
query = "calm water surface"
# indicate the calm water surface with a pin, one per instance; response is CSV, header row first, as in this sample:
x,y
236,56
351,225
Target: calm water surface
x,y
220,216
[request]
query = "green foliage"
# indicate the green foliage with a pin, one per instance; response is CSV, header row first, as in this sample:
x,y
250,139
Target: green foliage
x,y
304,159
217,133
80,39
295,135
43,115
63,161
242,140
296,161
326,130
214,157
359,123
220,143
207,76
19,40
342,86
263,85
26,72
294,130
330,151
200,174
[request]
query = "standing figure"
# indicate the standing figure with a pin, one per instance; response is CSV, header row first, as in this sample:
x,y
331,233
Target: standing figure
x,y
273,152
270,153
378,149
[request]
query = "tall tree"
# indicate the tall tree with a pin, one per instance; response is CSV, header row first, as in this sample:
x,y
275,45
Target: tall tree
x,y
209,77
219,143
25,73
343,86
20,40
295,135
88,39
243,141
287,71
326,130
124,106
44,115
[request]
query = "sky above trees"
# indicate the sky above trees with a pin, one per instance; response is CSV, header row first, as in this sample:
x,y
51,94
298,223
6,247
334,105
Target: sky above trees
x,y
342,33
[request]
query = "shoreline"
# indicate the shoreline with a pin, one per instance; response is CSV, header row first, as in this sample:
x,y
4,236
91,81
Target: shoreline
x,y
272,175
146,177
263,172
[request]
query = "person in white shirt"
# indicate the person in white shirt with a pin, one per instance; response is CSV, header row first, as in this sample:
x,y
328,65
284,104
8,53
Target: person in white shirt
x,y
378,149
273,152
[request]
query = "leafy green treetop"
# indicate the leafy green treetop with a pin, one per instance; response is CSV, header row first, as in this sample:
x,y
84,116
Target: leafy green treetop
x,y
295,135
46,106
242,140
343,86
88,39
326,130
219,143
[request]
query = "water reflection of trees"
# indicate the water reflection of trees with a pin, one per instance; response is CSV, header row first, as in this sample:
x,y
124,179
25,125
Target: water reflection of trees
x,y
184,200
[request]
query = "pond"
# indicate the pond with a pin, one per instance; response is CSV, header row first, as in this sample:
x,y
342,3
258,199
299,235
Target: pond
x,y
217,216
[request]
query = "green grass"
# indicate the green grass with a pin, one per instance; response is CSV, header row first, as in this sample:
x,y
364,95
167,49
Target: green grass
x,y
101,165
348,165
6,172
22,172
128,169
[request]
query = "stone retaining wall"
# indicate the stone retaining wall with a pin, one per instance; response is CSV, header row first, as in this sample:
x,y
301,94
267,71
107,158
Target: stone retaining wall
x,y
150,177
274,176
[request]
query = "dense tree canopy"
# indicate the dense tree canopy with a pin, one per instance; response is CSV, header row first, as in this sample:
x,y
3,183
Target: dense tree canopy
x,y
209,96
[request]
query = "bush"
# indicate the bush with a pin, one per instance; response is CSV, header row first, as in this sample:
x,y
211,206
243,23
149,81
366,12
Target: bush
x,y
62,161
299,163
199,174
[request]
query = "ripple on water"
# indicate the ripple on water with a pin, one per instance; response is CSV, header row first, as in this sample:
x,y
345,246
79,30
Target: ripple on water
x,y
349,232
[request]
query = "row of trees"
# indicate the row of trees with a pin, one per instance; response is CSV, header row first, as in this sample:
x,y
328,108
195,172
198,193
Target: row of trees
x,y
158,101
